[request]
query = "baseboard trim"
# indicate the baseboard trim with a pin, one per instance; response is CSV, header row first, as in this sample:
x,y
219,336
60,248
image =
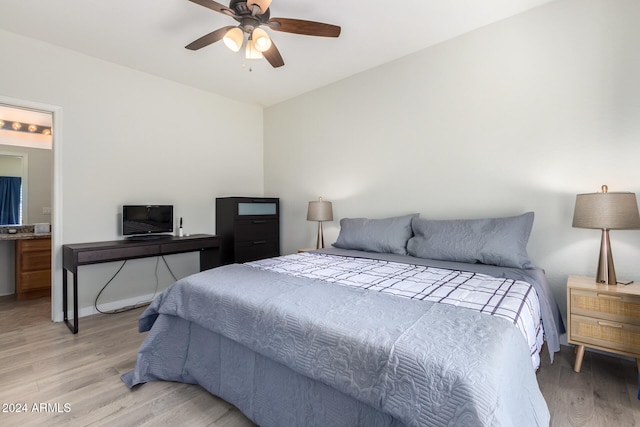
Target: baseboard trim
x,y
114,306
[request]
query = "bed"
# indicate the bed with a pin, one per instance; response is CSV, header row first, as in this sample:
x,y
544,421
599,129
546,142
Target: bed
x,y
377,331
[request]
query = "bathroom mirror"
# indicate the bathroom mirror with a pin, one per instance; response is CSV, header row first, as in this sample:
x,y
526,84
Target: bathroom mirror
x,y
13,184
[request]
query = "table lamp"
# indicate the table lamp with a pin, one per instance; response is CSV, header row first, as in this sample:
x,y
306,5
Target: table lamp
x,y
606,211
320,211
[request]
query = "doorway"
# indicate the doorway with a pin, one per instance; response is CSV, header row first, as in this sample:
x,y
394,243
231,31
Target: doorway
x,y
49,211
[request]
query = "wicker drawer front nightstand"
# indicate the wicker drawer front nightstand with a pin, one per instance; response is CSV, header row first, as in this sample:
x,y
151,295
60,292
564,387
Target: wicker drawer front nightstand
x,y
603,317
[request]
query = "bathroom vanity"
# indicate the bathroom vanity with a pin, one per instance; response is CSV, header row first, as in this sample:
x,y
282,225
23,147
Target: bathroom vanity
x,y
32,254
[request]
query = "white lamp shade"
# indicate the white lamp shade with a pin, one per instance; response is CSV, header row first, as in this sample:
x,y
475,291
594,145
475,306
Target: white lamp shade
x,y
233,39
260,39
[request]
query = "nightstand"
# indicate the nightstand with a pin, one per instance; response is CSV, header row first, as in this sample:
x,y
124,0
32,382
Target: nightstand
x,y
604,317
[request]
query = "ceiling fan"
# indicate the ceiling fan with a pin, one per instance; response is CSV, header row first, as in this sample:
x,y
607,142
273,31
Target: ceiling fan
x,y
251,15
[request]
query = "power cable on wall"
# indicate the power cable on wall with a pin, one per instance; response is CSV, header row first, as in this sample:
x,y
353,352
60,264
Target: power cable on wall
x,y
140,304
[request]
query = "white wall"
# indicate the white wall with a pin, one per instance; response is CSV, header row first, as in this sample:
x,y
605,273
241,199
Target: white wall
x,y
129,137
518,116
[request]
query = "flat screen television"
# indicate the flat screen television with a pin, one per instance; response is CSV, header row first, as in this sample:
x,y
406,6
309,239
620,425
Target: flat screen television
x,y
147,220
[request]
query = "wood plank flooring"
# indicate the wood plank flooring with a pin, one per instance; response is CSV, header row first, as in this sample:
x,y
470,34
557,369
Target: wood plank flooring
x,y
43,363
603,394
74,380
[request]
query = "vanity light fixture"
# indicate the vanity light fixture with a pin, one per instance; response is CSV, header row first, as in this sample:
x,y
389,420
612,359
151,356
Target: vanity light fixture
x,y
24,127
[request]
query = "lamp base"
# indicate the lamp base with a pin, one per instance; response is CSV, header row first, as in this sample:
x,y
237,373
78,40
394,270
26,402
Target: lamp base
x,y
320,241
606,271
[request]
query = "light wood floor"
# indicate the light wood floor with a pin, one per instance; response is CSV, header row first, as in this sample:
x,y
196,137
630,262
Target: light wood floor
x,y
43,363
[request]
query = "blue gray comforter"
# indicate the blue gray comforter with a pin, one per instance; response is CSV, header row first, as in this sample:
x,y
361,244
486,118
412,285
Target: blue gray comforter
x,y
421,363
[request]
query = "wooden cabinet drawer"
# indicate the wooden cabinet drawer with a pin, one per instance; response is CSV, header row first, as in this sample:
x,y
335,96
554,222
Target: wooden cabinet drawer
x,y
254,250
605,333
616,307
257,207
35,245
33,268
188,245
254,230
35,281
111,254
34,261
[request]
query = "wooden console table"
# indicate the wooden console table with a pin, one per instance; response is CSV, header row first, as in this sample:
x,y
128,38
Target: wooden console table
x,y
74,255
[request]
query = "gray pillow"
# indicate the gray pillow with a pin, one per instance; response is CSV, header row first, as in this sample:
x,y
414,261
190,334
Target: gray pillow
x,y
389,235
494,241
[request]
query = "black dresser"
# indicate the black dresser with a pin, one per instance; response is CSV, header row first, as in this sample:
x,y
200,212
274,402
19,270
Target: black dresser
x,y
249,228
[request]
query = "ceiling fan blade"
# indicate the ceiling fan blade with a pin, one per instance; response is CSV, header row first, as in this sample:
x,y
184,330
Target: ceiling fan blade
x,y
307,28
215,6
208,39
273,56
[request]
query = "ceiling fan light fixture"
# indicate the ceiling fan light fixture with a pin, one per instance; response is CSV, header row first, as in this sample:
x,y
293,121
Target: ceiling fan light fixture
x,y
233,39
260,39
263,5
251,14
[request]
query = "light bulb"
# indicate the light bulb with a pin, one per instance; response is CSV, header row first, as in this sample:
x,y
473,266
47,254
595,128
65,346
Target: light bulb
x,y
16,125
32,128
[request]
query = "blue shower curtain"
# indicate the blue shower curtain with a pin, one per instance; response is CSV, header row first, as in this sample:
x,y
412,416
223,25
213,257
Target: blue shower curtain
x,y
10,199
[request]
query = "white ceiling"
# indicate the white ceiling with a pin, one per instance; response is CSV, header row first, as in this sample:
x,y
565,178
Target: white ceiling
x,y
150,35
